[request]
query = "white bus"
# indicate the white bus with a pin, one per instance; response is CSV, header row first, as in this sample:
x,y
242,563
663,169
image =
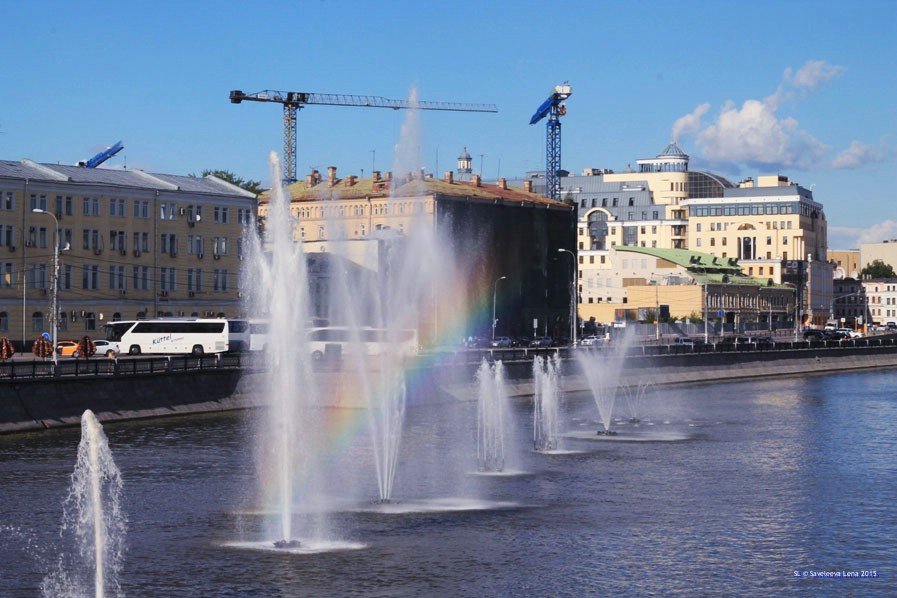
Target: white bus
x,y
184,336
374,340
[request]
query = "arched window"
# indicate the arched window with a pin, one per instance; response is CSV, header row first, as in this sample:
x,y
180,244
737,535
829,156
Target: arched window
x,y
194,315
141,315
4,321
37,321
116,316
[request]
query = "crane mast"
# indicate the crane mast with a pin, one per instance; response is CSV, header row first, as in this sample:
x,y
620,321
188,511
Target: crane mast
x,y
293,101
554,108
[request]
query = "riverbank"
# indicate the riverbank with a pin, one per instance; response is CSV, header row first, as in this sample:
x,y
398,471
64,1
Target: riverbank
x,y
138,389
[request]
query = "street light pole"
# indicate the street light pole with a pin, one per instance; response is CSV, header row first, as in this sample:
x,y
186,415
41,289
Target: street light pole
x,y
54,314
494,292
572,295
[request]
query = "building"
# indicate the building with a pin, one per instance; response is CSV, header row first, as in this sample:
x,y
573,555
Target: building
x,y
846,263
886,251
881,300
849,302
680,284
131,245
494,231
776,231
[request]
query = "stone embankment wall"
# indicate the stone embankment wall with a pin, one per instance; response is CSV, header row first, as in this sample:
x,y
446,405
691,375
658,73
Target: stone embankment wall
x,y
36,404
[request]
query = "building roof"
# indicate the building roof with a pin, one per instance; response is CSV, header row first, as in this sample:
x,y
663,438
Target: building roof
x,y
672,151
350,189
703,267
116,177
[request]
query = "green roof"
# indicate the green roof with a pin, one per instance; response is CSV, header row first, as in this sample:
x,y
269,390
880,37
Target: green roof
x,y
692,260
703,267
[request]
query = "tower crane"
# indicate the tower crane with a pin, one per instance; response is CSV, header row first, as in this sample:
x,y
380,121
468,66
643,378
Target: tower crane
x,y
102,156
554,108
293,101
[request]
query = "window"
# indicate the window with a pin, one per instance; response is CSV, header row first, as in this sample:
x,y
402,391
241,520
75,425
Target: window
x,y
615,202
95,206
37,321
9,202
4,321
85,203
167,279
117,277
698,227
90,321
219,246
220,280
90,277
65,279
6,275
698,242
163,211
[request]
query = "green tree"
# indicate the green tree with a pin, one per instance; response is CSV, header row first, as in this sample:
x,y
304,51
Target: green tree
x,y
226,175
878,269
695,318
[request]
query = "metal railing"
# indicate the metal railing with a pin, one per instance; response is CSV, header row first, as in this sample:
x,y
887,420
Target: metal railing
x,y
124,366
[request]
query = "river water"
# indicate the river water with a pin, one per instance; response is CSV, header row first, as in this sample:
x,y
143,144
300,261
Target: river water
x,y
774,480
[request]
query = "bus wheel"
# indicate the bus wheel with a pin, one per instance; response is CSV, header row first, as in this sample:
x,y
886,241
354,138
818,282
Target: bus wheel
x,y
317,355
110,353
197,350
134,350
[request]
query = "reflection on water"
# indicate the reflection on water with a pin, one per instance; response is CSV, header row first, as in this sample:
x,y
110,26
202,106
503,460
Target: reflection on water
x,y
777,476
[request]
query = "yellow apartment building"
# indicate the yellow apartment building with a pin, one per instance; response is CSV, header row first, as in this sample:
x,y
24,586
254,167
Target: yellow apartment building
x,y
131,245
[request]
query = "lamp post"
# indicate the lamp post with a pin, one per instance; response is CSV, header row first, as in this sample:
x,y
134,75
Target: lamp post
x,y
494,292
572,295
54,313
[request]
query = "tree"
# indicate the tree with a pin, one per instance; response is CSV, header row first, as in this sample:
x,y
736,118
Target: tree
x,y
695,318
226,175
878,269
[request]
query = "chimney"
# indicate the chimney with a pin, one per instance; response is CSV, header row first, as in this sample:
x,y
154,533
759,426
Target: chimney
x,y
503,183
388,175
331,175
310,180
422,174
350,180
475,179
449,176
317,176
376,175
528,186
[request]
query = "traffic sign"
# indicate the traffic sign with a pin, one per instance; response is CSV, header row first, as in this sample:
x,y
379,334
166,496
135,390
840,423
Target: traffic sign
x,y
720,314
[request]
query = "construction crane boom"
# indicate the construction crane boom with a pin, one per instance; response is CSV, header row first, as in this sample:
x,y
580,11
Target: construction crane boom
x,y
293,101
102,156
553,108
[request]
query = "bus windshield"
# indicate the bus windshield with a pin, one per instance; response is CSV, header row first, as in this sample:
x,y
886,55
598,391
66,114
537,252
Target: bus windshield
x,y
115,330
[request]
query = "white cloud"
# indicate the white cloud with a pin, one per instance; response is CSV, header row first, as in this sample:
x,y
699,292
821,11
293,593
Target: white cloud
x,y
848,237
860,153
812,74
690,124
755,134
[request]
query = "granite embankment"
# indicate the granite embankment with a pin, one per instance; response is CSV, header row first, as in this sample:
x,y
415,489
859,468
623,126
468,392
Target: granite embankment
x,y
43,398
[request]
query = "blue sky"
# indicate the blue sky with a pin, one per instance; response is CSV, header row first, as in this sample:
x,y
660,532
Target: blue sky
x,y
806,89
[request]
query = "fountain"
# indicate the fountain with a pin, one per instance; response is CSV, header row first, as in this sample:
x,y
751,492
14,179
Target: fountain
x,y
603,369
546,382
635,395
92,520
490,417
277,288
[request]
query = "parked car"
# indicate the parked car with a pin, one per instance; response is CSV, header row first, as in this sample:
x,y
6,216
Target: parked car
x,y
891,326
687,340
592,341
735,340
542,341
66,348
850,332
107,348
501,342
815,334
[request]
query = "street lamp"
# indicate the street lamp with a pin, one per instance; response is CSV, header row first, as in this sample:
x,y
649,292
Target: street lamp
x,y
572,295
54,314
494,291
